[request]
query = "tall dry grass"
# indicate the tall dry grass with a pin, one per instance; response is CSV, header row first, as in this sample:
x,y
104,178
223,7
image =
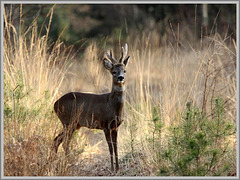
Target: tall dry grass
x,y
33,74
163,76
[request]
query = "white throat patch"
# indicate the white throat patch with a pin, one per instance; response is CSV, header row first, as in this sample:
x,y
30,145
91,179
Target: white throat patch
x,y
119,88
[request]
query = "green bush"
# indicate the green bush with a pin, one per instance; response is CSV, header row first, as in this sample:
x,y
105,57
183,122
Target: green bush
x,y
197,145
17,106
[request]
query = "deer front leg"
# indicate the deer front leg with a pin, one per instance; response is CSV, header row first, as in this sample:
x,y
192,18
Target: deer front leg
x,y
114,141
109,141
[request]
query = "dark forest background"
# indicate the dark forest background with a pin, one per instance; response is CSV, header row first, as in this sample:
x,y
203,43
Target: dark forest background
x,y
77,23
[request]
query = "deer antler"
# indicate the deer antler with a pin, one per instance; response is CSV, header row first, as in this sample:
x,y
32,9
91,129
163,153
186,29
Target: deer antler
x,y
123,53
110,57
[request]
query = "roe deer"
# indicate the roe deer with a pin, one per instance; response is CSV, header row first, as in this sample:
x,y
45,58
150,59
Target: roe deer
x,y
95,111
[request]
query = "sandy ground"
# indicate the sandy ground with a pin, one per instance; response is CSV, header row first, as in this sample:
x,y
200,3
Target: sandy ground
x,y
95,160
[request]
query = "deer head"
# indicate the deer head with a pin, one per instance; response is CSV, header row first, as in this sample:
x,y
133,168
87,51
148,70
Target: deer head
x,y
117,68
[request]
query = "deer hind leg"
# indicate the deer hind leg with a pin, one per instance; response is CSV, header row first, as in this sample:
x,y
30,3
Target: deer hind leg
x,y
114,141
57,141
110,146
68,136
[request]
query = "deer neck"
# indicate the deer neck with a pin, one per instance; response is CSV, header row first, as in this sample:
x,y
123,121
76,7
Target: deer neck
x,y
117,96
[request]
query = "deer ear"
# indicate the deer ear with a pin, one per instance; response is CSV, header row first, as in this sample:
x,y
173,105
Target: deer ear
x,y
125,62
107,64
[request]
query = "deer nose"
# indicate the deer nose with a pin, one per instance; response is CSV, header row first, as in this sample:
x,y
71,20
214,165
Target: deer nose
x,y
120,78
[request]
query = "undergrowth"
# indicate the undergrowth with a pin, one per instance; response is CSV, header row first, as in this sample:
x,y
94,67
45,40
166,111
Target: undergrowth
x,y
199,146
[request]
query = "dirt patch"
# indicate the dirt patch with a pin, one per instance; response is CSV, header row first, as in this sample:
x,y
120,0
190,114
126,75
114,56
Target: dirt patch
x,y
95,160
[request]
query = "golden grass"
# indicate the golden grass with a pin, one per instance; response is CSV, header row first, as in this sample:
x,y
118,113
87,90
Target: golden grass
x,y
169,76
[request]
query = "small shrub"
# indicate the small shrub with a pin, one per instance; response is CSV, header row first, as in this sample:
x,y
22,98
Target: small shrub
x,y
197,145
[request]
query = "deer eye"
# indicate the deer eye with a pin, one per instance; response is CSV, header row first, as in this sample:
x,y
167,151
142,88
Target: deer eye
x,y
124,71
114,72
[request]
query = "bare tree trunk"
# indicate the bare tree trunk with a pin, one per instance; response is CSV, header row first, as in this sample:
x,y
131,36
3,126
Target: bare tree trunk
x,y
205,17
